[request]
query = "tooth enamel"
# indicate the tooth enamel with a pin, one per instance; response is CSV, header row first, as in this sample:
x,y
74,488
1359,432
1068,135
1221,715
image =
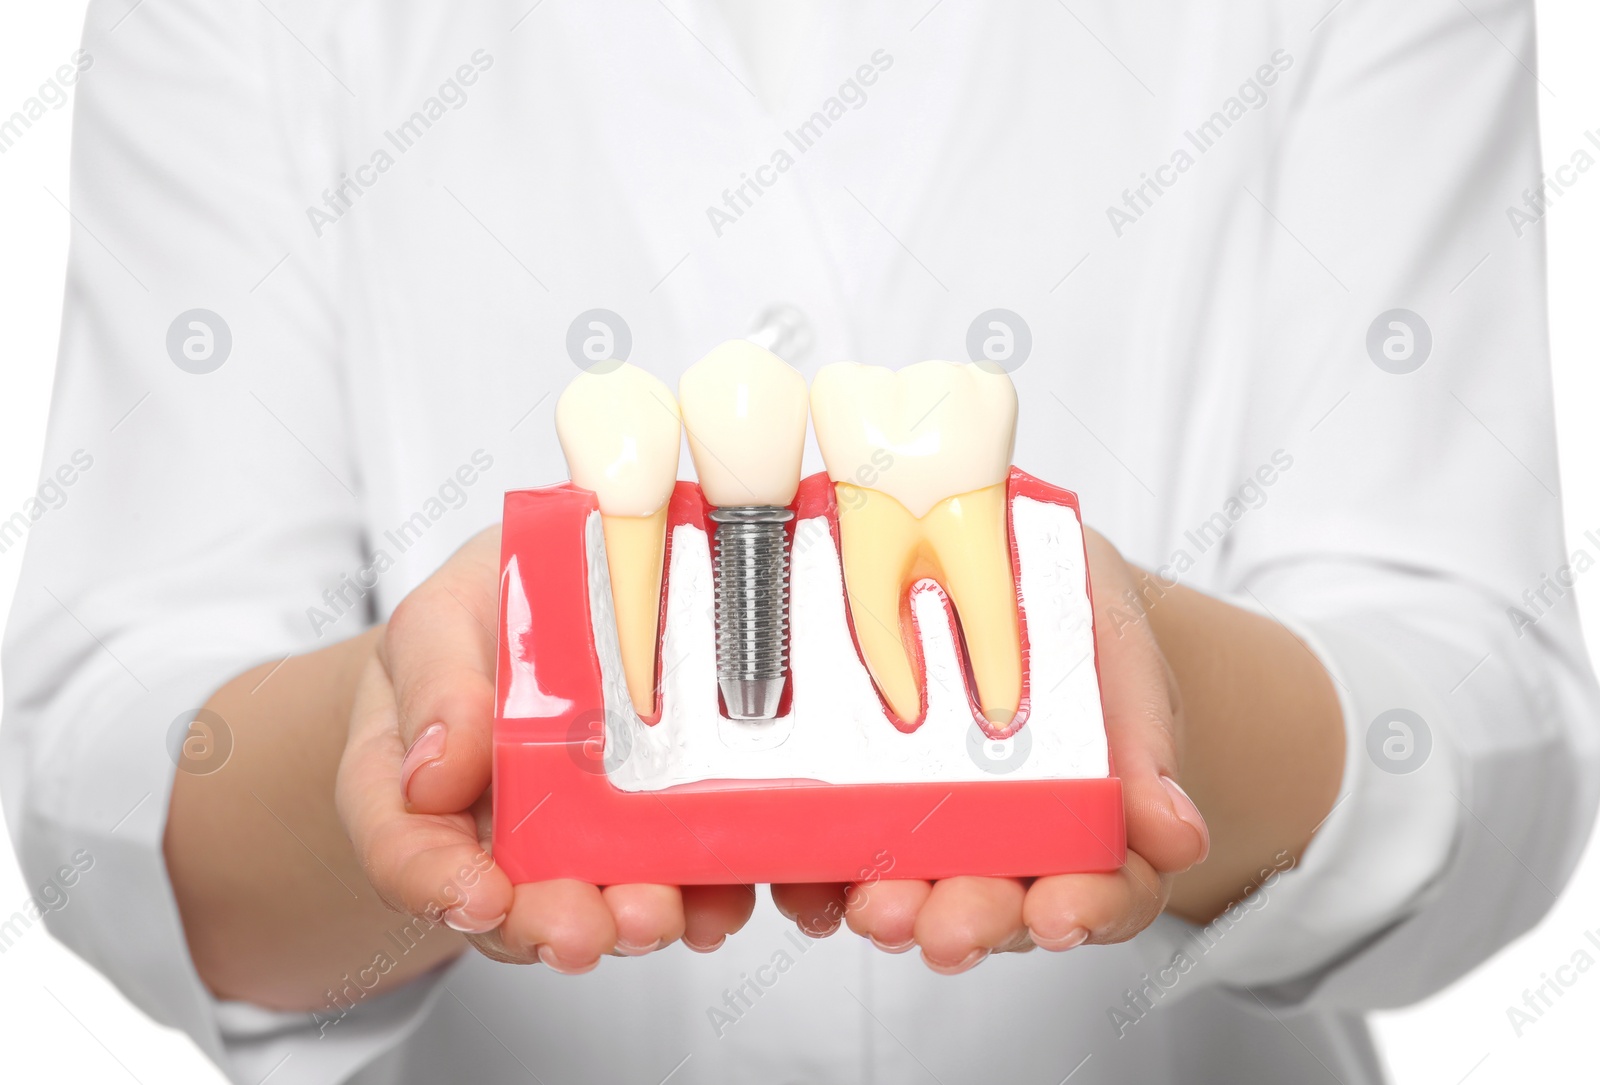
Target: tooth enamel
x,y
745,410
919,461
619,430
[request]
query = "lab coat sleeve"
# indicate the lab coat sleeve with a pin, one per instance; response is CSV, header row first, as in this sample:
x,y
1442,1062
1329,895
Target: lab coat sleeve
x,y
1411,528
192,519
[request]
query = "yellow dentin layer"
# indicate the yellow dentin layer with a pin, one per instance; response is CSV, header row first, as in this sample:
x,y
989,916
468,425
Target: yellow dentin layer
x,y
635,547
962,543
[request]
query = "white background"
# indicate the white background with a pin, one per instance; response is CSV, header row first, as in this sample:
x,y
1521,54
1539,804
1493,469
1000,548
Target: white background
x,y
62,1019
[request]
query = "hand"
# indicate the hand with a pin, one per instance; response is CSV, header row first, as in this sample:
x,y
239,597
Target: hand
x,y
957,922
413,793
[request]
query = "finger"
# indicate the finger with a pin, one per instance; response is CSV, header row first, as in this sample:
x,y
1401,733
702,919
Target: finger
x,y
817,908
439,648
647,917
565,924
1142,707
420,864
712,912
1067,910
1163,823
886,912
965,919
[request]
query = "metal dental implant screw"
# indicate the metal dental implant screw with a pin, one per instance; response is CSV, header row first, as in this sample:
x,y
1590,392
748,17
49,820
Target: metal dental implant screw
x,y
752,592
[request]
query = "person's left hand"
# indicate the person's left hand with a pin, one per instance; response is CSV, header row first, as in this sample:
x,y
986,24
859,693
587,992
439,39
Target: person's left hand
x,y
957,922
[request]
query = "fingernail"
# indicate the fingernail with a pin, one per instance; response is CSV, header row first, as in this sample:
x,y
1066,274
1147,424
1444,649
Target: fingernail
x,y
1189,814
818,932
458,920
971,960
628,949
426,747
706,948
898,947
1074,938
548,958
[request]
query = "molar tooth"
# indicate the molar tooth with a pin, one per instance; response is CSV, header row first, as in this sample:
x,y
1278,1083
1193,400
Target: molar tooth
x,y
920,460
620,432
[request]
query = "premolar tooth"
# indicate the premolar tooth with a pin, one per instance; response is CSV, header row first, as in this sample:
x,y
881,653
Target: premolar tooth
x,y
620,432
920,460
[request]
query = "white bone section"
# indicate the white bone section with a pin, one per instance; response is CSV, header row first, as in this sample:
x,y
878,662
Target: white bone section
x,y
837,731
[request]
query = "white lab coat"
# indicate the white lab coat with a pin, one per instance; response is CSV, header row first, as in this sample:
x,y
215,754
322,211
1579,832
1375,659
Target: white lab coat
x,y
1188,335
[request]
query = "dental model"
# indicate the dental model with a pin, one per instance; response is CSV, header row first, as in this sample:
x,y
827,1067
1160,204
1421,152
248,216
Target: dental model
x,y
745,411
942,711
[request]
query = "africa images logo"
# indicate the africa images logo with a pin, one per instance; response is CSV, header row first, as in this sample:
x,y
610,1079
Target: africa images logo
x,y
851,95
1252,95
450,95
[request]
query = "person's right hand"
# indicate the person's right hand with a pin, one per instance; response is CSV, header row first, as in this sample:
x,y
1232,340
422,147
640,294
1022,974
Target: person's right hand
x,y
413,793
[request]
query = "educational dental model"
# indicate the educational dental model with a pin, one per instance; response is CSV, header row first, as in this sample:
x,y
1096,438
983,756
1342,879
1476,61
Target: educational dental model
x,y
761,677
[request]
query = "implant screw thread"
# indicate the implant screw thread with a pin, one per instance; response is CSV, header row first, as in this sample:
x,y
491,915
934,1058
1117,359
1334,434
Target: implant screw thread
x,y
752,600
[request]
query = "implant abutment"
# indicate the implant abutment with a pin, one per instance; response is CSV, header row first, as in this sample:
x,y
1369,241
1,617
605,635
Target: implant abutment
x,y
751,568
